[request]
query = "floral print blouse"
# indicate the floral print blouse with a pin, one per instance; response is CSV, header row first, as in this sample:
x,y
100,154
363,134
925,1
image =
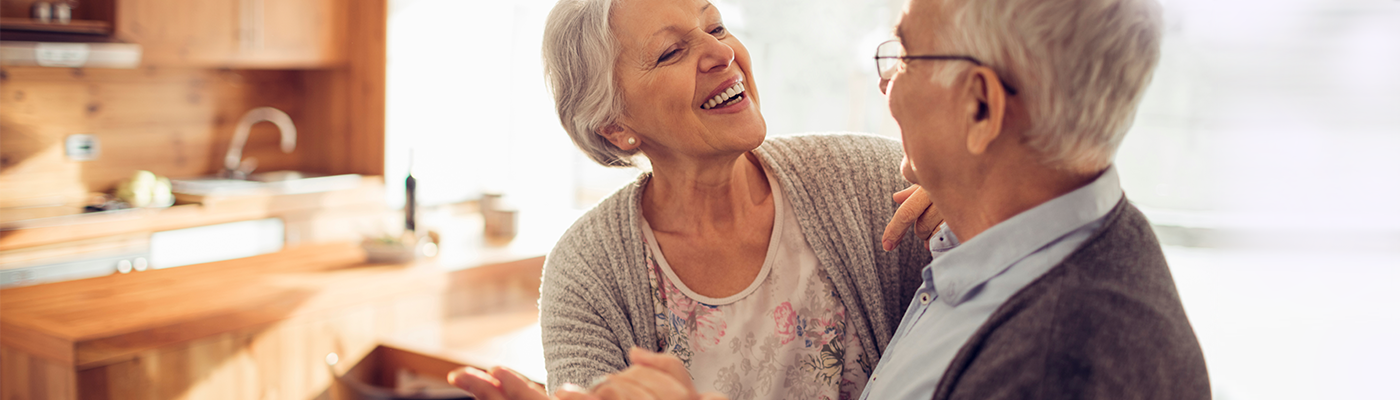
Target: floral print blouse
x,y
782,337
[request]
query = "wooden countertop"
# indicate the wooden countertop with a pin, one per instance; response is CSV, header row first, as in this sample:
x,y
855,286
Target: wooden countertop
x,y
21,234
93,322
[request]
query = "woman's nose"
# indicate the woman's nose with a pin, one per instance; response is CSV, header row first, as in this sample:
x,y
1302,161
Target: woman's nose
x,y
884,86
716,55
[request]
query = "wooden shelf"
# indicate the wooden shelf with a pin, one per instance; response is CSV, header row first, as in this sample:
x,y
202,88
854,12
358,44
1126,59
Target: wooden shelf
x,y
83,27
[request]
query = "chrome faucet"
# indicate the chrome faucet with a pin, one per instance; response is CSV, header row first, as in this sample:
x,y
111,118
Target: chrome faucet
x,y
235,167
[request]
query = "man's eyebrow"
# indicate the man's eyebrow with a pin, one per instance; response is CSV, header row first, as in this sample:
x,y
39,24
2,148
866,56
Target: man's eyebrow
x,y
899,31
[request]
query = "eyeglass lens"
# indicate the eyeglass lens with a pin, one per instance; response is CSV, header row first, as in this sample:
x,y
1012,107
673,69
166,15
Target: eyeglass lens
x,y
887,58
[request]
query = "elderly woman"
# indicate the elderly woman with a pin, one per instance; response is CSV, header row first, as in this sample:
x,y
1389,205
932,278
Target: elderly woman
x,y
757,261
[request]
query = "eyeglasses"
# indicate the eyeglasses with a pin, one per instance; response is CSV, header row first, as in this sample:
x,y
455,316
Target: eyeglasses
x,y
890,54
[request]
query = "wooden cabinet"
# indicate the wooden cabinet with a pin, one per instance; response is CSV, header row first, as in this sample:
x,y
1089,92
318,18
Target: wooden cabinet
x,y
285,360
276,34
263,34
292,33
179,32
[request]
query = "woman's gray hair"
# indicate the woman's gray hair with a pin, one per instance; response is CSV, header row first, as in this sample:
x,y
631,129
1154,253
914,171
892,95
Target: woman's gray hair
x,y
1081,66
579,53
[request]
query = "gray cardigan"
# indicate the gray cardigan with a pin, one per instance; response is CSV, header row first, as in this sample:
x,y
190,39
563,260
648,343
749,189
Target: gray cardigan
x,y
1104,324
595,299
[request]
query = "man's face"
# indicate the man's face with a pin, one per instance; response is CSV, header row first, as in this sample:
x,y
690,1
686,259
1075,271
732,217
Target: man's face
x,y
925,110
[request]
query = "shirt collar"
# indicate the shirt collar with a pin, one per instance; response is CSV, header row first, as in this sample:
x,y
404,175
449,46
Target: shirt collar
x,y
962,267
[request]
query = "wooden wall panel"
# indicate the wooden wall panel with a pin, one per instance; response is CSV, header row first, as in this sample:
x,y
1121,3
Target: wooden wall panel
x,y
348,103
174,122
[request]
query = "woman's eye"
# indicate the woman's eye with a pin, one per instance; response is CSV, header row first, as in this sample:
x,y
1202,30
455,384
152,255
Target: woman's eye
x,y
668,55
719,30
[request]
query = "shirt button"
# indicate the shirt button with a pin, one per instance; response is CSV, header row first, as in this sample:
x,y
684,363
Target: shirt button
x,y
924,298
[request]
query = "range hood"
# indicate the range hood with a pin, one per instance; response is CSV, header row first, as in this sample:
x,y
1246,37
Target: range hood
x,y
71,55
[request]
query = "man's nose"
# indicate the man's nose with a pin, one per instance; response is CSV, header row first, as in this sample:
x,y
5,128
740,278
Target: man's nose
x,y
884,86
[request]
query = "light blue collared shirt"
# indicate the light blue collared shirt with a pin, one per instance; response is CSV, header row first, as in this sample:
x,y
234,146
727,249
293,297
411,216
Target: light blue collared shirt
x,y
965,283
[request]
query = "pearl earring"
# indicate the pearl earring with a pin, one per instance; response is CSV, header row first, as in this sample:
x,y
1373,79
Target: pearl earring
x,y
631,140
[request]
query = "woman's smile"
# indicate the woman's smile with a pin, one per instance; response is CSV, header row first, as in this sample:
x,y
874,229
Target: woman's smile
x,y
728,98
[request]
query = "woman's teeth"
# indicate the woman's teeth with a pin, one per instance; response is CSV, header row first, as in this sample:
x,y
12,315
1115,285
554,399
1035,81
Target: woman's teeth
x,y
725,98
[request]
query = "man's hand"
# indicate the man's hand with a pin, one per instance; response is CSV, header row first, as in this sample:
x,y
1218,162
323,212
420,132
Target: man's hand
x,y
651,376
499,384
915,209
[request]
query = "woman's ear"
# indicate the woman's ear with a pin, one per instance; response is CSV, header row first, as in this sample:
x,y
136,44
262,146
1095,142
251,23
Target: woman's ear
x,y
620,136
986,120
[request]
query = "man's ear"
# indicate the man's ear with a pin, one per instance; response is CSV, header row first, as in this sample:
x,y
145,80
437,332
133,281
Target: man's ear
x,y
617,134
988,111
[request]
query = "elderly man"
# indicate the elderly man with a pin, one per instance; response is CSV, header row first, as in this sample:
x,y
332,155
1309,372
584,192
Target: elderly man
x,y
1046,283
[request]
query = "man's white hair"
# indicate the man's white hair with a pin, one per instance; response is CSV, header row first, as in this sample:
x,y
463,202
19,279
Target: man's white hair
x,y
1080,66
579,53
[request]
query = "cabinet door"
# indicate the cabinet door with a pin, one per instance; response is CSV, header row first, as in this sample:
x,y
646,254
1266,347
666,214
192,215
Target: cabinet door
x,y
274,34
291,33
181,32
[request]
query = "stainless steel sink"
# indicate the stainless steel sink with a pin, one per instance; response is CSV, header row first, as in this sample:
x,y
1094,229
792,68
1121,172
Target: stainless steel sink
x,y
276,182
237,177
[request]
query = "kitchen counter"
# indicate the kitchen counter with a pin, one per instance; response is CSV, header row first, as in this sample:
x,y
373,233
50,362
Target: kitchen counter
x,y
93,322
323,297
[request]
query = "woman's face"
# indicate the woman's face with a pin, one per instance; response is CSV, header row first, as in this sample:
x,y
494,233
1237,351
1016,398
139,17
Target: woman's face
x,y
677,68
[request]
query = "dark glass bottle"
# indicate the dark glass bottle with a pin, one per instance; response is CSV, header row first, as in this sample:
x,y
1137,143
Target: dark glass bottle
x,y
410,200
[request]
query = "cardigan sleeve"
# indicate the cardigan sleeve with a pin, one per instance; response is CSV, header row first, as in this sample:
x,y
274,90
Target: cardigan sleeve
x,y
594,297
579,343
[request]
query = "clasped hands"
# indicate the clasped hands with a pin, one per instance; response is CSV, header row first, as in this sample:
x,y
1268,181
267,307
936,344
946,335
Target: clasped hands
x,y
652,376
663,376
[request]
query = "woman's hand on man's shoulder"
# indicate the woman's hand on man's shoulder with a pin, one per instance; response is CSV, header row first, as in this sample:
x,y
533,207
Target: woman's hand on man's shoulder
x,y
915,209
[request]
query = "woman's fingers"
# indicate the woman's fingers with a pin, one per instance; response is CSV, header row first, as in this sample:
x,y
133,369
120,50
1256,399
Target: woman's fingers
x,y
516,386
569,391
914,204
652,376
928,224
499,384
477,382
929,219
666,363
618,387
644,382
902,195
